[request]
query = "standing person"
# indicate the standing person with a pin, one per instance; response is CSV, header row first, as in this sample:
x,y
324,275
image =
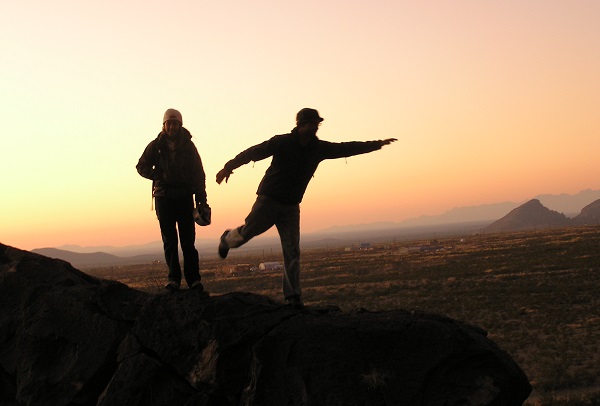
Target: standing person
x,y
173,164
295,159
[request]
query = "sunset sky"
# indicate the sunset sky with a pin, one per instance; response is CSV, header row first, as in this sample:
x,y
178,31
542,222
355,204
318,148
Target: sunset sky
x,y
491,101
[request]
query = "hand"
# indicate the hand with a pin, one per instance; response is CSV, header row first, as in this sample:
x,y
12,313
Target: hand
x,y
202,214
387,141
223,174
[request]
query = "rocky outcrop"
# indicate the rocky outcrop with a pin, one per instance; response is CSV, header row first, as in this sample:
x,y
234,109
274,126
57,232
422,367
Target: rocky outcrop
x,y
529,216
60,330
69,339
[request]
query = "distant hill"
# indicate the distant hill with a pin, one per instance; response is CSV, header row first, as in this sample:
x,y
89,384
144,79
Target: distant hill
x,y
589,215
87,260
528,216
570,205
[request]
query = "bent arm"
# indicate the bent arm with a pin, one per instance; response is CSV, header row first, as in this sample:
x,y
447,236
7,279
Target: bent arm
x,y
200,180
146,165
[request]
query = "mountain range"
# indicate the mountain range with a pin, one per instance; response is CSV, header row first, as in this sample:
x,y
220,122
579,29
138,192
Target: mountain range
x,y
540,212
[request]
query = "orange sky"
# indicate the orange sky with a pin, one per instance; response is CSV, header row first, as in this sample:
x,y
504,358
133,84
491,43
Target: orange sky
x,y
491,101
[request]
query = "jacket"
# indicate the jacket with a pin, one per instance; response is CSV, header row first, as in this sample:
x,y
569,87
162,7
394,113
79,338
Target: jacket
x,y
293,164
175,173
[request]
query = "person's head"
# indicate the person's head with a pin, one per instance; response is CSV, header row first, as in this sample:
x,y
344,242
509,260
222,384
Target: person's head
x,y
308,121
172,122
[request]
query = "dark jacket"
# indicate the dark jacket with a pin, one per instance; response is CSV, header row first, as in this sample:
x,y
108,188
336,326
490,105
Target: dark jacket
x,y
176,174
293,164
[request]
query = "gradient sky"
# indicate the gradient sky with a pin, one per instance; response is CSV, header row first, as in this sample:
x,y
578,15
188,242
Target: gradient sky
x,y
491,101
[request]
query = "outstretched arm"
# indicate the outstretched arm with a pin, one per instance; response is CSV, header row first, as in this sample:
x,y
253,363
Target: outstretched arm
x,y
332,150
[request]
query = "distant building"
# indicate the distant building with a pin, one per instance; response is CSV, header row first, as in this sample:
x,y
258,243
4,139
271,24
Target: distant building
x,y
238,269
270,266
425,248
363,246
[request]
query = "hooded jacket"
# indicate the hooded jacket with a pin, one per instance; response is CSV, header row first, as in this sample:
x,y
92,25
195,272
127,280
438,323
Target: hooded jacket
x,y
177,171
294,164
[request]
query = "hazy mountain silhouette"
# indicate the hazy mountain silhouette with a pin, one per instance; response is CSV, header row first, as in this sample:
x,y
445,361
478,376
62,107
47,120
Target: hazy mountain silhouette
x,y
570,205
86,260
459,220
484,213
531,215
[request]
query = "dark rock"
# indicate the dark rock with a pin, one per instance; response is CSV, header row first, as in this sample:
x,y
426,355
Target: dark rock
x,y
59,329
68,338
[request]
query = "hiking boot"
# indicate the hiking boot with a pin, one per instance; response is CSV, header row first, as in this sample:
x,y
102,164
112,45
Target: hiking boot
x,y
296,302
197,285
172,286
223,246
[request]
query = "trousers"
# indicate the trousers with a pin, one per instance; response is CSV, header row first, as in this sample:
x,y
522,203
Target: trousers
x,y
175,216
266,213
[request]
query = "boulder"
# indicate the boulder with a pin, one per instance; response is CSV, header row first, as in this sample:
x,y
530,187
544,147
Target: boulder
x,y
60,330
70,339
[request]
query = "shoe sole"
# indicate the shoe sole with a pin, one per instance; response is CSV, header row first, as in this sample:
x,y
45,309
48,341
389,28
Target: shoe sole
x,y
223,246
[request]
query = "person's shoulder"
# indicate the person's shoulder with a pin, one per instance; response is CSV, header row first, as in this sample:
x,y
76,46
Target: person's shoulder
x,y
186,139
154,142
282,136
279,139
185,134
159,138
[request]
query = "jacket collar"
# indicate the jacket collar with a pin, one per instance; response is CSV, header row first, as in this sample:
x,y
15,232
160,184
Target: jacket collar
x,y
295,137
184,135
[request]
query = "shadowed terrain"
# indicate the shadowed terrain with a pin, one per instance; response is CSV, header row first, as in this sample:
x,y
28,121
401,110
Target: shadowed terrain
x,y
536,293
69,338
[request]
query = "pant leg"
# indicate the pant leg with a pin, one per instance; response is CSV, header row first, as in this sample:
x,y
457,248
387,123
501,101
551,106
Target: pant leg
x,y
288,225
167,219
261,218
187,237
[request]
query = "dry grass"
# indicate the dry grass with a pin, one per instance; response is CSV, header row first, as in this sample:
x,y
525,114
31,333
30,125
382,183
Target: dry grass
x,y
537,294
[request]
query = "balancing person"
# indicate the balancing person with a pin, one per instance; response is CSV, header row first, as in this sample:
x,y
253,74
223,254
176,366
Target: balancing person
x,y
295,157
